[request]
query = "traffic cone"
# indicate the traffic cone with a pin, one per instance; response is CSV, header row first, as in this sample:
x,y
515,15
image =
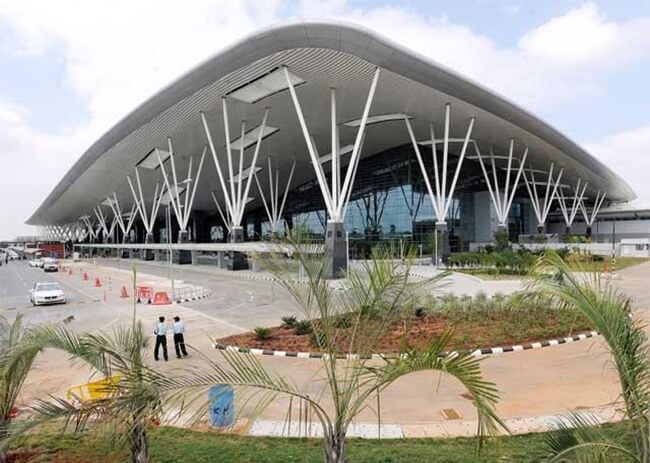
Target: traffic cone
x,y
123,293
85,278
98,283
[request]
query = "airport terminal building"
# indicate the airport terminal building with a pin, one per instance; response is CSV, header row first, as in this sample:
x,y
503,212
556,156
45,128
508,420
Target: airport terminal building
x,y
332,128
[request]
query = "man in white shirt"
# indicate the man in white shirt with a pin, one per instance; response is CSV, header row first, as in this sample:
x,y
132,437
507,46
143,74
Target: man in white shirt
x,y
179,339
161,338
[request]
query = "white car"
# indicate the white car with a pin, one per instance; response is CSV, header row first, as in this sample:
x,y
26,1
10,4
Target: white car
x,y
38,263
50,265
47,293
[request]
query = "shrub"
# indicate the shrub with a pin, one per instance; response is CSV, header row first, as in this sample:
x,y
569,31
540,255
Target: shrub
x,y
262,333
289,321
420,312
317,339
501,242
342,321
302,327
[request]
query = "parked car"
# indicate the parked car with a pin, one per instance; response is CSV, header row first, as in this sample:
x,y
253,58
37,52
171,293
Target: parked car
x,y
38,263
47,293
50,265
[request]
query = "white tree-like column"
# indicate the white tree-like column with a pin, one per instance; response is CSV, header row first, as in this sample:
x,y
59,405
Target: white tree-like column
x,y
590,216
180,197
274,214
542,203
502,196
569,212
236,196
336,196
125,228
148,218
442,198
86,219
103,223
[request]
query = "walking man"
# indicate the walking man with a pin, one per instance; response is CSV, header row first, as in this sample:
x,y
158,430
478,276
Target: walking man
x,y
161,338
179,338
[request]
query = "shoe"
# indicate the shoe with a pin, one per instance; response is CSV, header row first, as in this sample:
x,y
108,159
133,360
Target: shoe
x,y
178,357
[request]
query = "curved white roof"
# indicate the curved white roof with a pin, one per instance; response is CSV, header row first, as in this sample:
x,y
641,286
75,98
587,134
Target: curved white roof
x,y
323,55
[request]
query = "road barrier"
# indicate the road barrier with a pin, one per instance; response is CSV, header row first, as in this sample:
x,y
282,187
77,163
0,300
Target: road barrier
x,y
144,293
161,298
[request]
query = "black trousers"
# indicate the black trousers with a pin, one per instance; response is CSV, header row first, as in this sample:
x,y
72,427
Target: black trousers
x,y
179,344
161,340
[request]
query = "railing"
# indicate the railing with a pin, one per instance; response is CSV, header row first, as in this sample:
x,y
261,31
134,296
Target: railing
x,y
190,292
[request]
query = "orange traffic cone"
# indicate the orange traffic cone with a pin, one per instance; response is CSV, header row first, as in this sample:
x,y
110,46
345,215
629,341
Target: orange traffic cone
x,y
85,278
98,283
123,293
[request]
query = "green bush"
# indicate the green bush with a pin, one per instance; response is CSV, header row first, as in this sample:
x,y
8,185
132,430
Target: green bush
x,y
501,242
262,333
302,327
341,322
317,339
289,321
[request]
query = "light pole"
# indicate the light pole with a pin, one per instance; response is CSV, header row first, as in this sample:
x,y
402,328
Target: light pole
x,y
169,245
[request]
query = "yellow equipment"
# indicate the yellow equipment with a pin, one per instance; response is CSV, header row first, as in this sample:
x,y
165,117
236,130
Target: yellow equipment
x,y
94,390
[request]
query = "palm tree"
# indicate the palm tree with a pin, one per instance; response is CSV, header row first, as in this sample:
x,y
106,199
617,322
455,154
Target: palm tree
x,y
127,407
348,321
610,313
14,337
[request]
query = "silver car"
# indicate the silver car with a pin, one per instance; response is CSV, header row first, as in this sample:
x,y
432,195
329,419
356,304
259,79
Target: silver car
x,y
47,293
50,265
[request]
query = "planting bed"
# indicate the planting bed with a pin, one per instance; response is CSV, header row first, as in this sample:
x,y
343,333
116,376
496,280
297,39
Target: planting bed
x,y
470,330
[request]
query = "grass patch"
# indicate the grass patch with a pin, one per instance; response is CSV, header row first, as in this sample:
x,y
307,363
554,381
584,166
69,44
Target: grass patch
x,y
175,445
621,263
489,274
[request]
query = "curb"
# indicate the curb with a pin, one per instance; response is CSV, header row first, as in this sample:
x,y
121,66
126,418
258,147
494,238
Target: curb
x,y
475,353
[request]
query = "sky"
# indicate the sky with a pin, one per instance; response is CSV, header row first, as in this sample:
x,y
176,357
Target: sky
x,y
70,70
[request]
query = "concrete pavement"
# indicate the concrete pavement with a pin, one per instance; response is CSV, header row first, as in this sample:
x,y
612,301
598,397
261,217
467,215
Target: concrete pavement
x,y
536,386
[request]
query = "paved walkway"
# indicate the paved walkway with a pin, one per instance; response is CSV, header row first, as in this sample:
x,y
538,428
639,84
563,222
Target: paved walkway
x,y
536,386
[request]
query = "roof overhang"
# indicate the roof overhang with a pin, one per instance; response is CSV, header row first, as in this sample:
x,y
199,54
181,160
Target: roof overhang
x,y
320,55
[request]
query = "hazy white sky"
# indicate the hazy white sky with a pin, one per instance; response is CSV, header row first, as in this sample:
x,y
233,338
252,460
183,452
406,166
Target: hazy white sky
x,y
72,69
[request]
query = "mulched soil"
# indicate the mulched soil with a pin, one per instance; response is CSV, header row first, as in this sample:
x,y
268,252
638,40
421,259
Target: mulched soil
x,y
466,334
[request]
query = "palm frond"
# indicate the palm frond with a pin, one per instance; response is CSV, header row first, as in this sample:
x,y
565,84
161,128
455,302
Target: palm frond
x,y
610,313
463,366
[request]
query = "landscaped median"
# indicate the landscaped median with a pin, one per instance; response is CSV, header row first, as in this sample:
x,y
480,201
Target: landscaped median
x,y
515,264
486,324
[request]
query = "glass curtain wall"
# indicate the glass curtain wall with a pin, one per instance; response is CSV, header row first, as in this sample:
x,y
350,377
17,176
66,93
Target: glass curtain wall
x,y
389,205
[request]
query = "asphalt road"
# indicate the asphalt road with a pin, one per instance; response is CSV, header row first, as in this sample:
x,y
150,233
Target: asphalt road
x,y
17,278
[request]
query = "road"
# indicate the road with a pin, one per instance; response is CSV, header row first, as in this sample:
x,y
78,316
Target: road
x,y
245,304
83,303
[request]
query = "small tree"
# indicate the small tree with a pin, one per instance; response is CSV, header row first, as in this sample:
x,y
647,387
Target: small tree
x,y
127,406
610,313
18,350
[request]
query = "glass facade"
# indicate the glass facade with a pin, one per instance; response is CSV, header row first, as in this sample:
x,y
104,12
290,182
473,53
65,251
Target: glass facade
x,y
390,204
